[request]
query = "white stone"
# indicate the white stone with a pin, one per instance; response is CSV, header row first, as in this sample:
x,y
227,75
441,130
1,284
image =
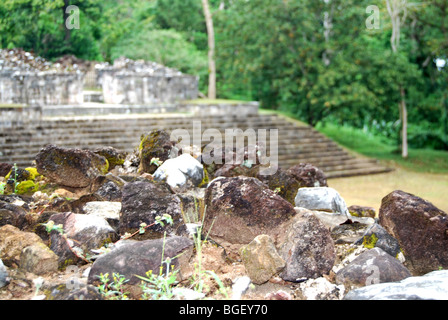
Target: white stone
x,y
187,294
180,170
239,287
86,222
103,209
432,286
321,289
321,199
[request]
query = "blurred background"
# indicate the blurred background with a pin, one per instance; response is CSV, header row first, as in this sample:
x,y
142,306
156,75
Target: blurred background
x,y
355,70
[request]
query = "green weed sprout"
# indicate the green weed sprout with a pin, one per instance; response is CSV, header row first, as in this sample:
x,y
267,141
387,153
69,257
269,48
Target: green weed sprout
x,y
112,290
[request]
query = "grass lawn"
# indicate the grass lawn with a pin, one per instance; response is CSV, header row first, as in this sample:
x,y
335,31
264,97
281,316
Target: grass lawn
x,y
424,173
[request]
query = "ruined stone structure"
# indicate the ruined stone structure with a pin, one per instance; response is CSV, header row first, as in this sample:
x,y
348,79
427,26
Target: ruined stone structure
x,y
33,81
145,83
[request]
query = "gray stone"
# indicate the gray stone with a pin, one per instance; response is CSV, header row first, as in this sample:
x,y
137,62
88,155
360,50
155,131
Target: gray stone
x,y
181,171
78,291
432,286
261,259
133,258
320,289
307,248
377,236
110,211
348,233
371,267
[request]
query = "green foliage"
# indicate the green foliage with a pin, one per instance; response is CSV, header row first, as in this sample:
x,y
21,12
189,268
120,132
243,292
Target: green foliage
x,y
376,146
159,286
50,226
2,187
167,47
112,289
156,161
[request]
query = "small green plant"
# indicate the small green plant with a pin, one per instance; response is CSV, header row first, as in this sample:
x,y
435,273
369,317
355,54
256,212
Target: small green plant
x,y
11,179
112,289
160,286
161,220
156,161
16,183
200,276
2,187
50,226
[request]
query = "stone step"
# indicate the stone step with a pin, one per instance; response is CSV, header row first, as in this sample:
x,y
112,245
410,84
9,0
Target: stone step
x,y
297,143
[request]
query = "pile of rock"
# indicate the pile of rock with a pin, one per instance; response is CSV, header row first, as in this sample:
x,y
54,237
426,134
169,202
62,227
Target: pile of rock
x,y
311,246
18,59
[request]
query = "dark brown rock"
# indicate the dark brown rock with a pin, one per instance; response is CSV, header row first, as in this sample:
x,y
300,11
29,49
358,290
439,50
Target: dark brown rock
x,y
74,168
420,228
283,182
5,168
234,162
133,258
13,215
241,208
308,175
142,202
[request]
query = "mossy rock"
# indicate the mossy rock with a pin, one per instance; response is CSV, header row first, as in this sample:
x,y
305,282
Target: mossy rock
x,y
157,144
369,241
205,180
27,187
74,168
113,156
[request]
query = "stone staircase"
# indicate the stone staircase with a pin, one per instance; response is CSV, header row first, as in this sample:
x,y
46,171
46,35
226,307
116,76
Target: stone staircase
x,y
296,142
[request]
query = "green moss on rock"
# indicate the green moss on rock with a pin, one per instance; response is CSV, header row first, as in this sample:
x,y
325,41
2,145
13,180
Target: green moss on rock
x,y
369,242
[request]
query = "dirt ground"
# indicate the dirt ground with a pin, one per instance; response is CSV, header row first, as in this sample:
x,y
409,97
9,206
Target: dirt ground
x,y
370,190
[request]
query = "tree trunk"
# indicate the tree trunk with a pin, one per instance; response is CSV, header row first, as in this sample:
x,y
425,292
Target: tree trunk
x,y
211,50
404,122
396,8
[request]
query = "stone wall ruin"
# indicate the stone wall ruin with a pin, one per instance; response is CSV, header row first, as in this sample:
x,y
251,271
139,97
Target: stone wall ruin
x,y
145,83
29,80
